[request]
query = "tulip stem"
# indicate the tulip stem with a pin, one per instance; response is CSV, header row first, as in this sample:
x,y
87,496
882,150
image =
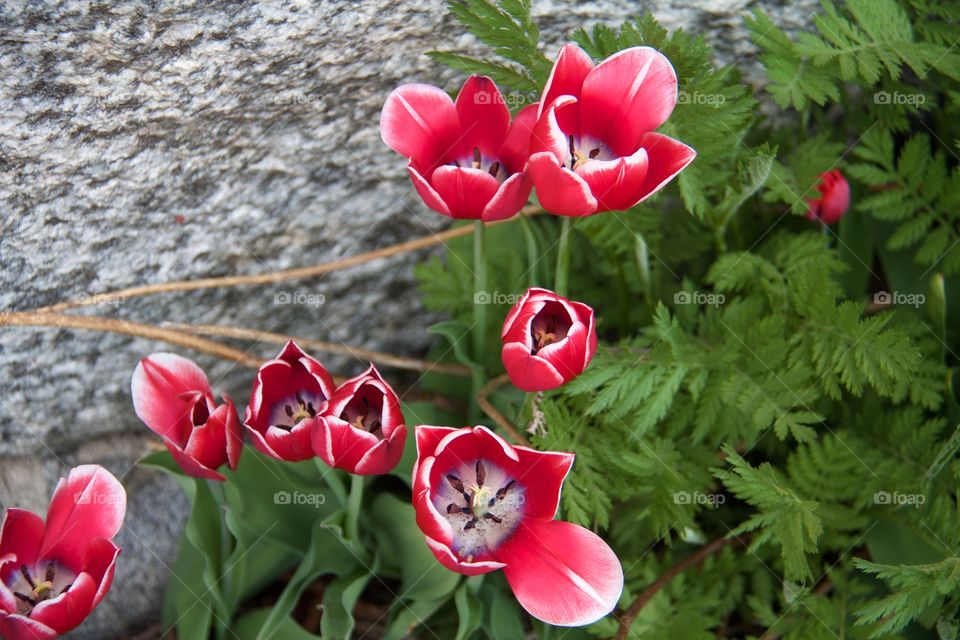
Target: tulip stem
x,y
354,502
563,258
480,289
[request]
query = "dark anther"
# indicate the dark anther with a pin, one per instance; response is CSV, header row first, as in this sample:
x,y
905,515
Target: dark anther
x,y
289,411
476,157
572,158
455,482
26,576
595,153
50,573
470,524
494,168
313,412
452,508
30,601
66,588
502,491
456,163
490,516
299,399
481,473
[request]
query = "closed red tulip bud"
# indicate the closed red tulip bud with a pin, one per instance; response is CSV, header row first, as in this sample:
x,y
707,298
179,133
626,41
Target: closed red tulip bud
x,y
53,573
594,147
834,198
486,505
172,396
289,395
466,158
362,430
547,340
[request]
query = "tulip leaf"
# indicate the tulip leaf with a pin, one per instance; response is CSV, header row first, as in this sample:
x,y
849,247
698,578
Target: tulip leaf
x,y
468,607
503,618
457,334
339,598
250,624
183,609
401,541
410,616
328,553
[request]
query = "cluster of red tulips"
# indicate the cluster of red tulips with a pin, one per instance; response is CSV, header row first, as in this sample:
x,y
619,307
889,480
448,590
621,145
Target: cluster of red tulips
x,y
483,504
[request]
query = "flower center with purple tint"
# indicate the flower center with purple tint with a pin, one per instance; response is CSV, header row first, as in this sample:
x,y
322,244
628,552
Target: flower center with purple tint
x,y
364,411
550,325
290,411
583,150
478,161
42,581
482,504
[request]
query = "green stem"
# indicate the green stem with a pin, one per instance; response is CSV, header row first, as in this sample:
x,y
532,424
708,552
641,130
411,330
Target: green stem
x,y
353,507
333,480
533,255
479,289
563,258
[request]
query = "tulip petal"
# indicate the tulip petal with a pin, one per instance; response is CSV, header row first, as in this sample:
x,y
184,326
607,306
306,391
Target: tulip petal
x,y
190,465
548,135
559,190
529,372
516,147
101,563
158,382
8,602
17,627
509,198
465,190
514,313
630,93
419,121
21,535
484,117
543,475
447,558
616,184
233,430
427,193
428,438
561,573
383,456
667,157
567,76
90,503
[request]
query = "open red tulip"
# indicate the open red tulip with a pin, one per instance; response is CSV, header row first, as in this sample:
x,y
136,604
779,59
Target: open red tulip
x,y
54,573
593,148
485,505
466,159
834,198
290,393
547,340
172,396
362,430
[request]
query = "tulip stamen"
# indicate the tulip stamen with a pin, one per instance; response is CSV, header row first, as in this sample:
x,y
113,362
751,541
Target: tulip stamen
x,y
470,524
490,516
25,598
544,338
476,158
304,410
26,576
494,168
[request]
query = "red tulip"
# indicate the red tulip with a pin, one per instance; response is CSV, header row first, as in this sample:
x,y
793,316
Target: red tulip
x,y
834,199
485,505
362,429
466,159
593,148
173,397
290,393
547,340
53,574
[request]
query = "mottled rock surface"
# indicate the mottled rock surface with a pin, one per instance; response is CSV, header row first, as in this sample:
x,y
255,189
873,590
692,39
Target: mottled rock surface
x,y
148,142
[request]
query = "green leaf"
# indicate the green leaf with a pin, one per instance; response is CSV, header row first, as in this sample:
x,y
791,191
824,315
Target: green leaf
x,y
339,599
250,624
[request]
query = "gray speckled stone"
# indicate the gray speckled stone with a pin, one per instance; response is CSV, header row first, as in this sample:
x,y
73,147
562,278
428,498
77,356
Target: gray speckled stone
x,y
148,142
